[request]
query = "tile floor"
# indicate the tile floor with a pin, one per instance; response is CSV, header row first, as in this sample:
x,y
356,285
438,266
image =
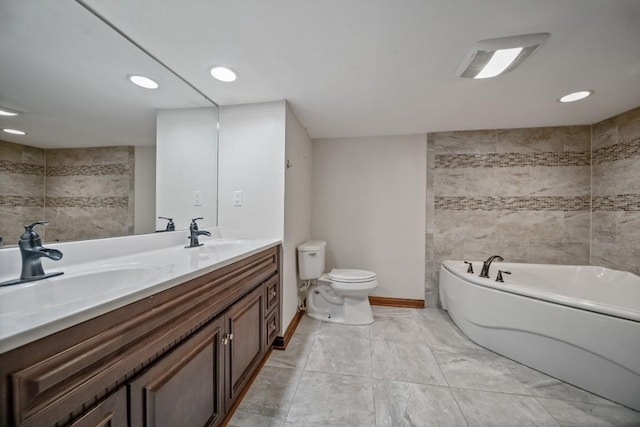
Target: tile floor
x,y
410,368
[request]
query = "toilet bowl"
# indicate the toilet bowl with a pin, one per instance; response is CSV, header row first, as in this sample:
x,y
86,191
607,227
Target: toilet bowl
x,y
340,296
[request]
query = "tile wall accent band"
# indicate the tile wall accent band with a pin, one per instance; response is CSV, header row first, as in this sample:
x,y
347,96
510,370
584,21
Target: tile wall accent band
x,y
88,202
618,202
620,151
89,170
7,166
504,160
513,204
20,201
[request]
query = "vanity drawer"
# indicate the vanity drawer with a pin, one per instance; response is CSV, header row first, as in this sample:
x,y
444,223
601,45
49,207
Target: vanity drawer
x,y
272,325
272,293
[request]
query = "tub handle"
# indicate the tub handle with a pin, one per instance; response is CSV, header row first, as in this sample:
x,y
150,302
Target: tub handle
x,y
499,278
470,269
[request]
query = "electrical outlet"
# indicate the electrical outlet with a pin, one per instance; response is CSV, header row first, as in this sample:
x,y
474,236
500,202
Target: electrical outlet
x,y
197,198
237,198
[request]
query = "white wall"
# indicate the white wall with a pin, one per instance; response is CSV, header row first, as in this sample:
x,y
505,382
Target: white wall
x,y
369,204
297,210
187,160
144,219
252,155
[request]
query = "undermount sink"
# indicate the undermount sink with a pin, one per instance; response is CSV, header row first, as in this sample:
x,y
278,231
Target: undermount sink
x,y
77,286
217,246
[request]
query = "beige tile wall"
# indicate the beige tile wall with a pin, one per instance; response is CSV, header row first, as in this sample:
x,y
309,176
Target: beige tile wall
x,y
89,193
84,193
522,193
21,188
616,192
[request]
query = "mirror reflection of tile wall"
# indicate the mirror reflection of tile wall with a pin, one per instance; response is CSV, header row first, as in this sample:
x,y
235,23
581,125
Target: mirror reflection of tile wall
x,y
84,193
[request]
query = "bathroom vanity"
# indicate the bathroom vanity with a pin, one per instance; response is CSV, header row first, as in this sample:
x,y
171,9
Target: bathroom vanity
x,y
180,356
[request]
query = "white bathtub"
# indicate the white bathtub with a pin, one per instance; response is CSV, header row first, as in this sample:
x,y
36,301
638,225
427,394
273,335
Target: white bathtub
x,y
580,324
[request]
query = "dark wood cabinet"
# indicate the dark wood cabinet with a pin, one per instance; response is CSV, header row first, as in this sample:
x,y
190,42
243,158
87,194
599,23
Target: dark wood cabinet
x,y
185,387
178,358
246,347
111,412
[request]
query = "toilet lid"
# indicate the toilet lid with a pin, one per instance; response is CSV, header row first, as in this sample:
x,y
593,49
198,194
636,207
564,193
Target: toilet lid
x,y
351,276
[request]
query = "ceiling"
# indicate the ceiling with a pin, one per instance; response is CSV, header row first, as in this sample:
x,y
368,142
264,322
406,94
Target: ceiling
x,y
348,68
381,67
66,71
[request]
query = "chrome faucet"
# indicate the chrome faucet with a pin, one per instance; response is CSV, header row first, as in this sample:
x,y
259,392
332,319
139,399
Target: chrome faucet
x,y
32,251
194,232
487,264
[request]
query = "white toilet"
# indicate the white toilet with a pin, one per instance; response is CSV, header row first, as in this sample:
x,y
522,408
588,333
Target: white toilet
x,y
340,296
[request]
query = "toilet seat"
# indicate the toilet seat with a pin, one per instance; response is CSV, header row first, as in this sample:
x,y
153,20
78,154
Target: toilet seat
x,y
347,276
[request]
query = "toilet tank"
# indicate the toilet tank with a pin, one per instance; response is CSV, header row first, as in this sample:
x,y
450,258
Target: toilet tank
x,y
311,259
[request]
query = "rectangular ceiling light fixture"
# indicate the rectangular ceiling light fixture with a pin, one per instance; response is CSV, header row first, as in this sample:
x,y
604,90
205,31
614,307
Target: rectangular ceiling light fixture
x,y
493,57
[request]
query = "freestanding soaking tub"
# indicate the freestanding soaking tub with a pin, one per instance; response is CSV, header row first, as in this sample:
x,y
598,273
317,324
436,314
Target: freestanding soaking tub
x,y
580,324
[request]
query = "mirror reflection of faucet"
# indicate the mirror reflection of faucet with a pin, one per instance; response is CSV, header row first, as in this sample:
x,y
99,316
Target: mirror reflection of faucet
x,y
32,251
171,226
194,232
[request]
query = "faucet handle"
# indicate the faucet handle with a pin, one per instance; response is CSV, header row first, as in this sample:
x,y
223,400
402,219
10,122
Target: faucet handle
x,y
30,237
500,273
30,226
470,269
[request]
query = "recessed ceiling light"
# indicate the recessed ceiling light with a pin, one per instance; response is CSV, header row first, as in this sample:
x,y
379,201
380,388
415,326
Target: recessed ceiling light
x,y
143,81
576,96
223,74
14,131
493,57
6,112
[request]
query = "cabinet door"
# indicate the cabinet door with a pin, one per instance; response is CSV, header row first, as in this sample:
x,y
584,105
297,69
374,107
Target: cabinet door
x,y
184,388
245,325
112,412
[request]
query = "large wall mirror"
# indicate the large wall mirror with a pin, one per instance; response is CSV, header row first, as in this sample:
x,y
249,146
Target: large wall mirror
x,y
101,157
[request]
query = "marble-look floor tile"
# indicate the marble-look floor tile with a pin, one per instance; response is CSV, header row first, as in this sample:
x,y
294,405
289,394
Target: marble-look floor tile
x,y
543,385
296,354
269,397
340,355
479,370
380,310
484,409
332,400
405,404
243,419
579,414
391,360
396,328
347,331
441,333
308,326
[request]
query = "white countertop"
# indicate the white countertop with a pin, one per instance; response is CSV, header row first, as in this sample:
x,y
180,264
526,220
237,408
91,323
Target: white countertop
x,y
89,289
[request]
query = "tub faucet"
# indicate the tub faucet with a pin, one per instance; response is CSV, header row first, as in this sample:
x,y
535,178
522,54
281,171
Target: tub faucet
x,y
487,264
194,232
32,251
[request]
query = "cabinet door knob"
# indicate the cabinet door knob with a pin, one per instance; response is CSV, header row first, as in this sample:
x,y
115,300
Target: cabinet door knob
x,y
272,327
273,294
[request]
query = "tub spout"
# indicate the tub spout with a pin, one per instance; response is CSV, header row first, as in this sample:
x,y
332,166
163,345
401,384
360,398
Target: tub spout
x,y
487,264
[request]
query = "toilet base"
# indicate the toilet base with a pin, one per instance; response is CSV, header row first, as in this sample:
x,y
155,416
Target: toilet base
x,y
325,305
